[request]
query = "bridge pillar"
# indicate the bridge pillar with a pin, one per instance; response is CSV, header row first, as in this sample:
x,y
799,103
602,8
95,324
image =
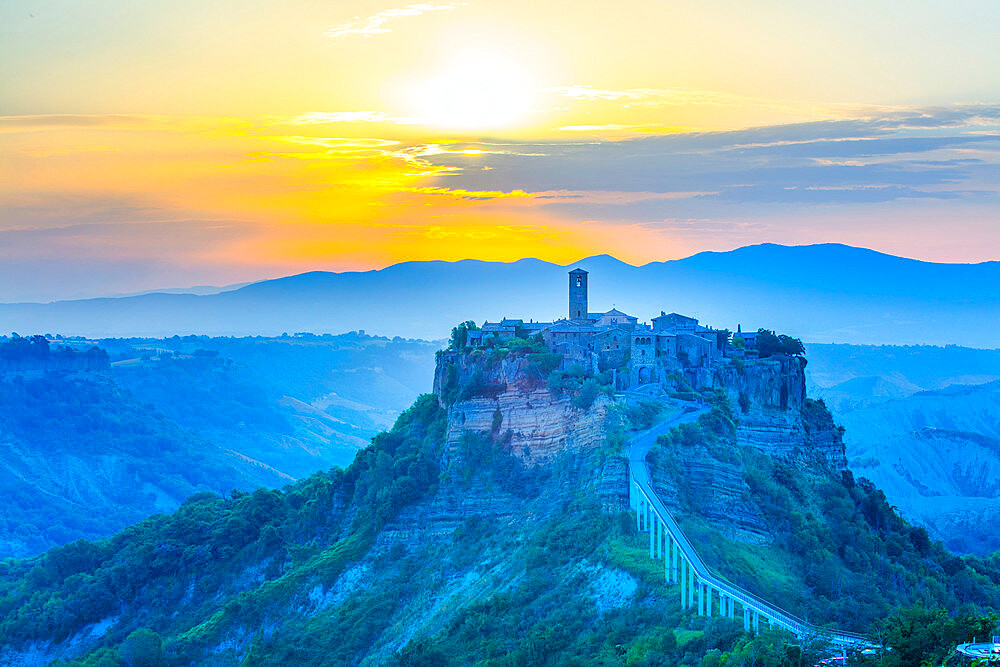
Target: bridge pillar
x,y
746,619
652,536
756,622
690,585
684,584
670,560
732,608
659,538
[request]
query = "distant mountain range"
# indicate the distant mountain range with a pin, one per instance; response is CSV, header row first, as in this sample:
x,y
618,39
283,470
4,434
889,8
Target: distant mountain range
x,y
822,293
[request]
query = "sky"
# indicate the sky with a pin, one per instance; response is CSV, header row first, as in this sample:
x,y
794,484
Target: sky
x,y
166,144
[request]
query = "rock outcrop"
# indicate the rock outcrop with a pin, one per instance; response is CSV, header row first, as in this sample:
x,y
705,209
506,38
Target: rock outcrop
x,y
774,416
765,386
506,399
536,426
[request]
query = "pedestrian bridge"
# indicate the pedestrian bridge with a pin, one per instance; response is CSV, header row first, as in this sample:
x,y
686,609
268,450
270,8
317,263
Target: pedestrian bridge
x,y
699,585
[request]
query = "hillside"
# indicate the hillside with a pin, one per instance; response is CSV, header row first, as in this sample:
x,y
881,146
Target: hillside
x,y
491,525
922,424
802,290
80,457
299,403
87,448
936,454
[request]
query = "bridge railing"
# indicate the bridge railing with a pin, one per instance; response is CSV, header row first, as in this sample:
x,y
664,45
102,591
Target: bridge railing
x,y
707,575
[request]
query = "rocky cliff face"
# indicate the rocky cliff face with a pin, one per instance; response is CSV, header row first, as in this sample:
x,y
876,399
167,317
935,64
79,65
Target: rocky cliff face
x,y
766,386
695,479
506,399
790,436
536,426
773,414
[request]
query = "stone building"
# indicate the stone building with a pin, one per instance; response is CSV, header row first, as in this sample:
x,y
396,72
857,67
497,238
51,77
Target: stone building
x,y
673,345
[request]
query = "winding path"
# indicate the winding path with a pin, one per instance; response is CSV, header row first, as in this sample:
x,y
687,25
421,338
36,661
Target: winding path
x,y
699,584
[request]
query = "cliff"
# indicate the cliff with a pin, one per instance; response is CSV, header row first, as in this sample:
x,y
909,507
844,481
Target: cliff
x,y
773,414
507,399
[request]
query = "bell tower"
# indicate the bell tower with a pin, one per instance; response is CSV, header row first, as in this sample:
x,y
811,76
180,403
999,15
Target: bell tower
x,y
578,294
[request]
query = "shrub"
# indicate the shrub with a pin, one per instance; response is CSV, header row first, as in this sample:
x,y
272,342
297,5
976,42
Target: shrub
x,y
588,392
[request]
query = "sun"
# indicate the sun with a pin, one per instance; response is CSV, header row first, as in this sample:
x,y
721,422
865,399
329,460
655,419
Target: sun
x,y
477,90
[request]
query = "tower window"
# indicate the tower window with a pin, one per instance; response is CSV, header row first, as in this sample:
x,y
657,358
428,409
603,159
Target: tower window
x,y
579,281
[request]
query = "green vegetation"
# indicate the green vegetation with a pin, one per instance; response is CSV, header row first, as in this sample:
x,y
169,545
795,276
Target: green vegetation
x,y
581,384
183,576
816,417
460,335
919,635
715,431
20,352
769,344
644,414
835,551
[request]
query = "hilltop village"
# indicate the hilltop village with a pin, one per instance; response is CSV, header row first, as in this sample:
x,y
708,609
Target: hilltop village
x,y
672,346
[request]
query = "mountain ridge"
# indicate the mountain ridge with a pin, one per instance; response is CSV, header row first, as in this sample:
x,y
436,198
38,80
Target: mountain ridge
x,y
819,293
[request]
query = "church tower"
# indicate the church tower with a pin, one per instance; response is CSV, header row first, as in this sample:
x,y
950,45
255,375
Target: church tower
x,y
578,294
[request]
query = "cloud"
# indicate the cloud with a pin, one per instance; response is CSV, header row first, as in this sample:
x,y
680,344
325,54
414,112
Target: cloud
x,y
609,127
655,97
932,154
377,23
321,117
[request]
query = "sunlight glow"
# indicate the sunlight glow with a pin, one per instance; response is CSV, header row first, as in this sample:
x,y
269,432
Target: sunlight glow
x,y
478,90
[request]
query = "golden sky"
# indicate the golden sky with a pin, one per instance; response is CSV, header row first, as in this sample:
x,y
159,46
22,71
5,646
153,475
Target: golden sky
x,y
154,144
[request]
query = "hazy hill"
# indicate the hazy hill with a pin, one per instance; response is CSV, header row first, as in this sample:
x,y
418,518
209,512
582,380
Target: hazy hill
x,y
818,293
936,454
81,457
85,453
922,423
873,372
331,393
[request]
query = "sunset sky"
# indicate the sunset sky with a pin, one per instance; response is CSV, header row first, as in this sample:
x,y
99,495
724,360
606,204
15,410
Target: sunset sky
x,y
167,144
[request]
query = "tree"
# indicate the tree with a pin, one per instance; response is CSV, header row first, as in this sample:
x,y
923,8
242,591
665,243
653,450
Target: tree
x,y
142,648
460,334
768,343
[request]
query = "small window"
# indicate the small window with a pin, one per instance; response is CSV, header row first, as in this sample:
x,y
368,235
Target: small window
x,y
579,281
